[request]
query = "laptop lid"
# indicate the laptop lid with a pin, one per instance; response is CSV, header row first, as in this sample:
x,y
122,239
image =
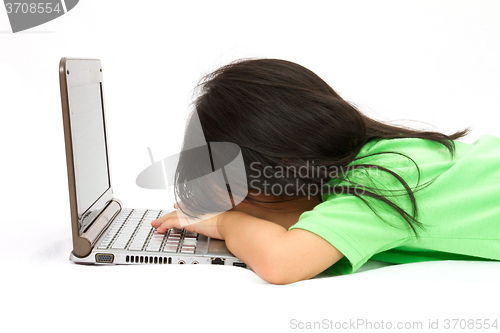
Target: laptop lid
x,y
84,121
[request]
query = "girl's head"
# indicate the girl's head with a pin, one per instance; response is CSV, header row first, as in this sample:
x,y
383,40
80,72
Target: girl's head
x,y
278,112
288,122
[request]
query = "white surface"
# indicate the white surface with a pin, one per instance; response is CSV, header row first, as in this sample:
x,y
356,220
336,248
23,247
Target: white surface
x,y
431,61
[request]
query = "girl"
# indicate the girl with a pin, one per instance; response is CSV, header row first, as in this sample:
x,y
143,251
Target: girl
x,y
330,188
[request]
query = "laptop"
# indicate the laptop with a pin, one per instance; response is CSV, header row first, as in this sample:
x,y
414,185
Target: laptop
x,y
103,231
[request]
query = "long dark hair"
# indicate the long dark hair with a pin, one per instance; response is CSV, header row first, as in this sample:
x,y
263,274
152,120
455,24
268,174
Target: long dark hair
x,y
283,115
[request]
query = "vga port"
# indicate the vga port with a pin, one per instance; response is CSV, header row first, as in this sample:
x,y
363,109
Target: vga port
x,y
104,258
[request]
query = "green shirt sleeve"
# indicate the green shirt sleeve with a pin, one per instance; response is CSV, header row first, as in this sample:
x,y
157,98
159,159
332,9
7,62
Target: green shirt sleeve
x,y
351,227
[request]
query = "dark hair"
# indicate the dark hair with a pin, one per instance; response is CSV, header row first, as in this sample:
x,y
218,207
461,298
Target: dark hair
x,y
281,114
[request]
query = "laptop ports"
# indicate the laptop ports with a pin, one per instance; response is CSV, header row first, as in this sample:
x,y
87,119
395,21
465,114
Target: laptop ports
x,y
217,261
240,264
106,258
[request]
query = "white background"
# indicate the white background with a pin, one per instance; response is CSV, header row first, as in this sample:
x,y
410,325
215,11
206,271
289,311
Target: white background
x,y
435,62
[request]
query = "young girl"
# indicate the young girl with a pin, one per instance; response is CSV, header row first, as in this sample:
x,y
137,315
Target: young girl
x,y
330,188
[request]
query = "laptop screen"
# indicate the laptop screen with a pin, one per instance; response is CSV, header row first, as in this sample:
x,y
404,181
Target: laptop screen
x,y
89,147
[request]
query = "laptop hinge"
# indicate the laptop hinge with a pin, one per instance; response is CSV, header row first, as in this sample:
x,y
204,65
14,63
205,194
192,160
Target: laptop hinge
x,y
86,240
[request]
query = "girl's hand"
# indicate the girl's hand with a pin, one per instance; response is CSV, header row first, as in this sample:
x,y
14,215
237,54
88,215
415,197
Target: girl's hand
x,y
208,227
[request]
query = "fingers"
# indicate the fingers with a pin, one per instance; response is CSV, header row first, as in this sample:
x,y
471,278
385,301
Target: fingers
x,y
169,221
156,223
169,224
162,219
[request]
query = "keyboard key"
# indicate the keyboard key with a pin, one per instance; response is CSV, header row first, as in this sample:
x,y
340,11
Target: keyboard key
x,y
128,232
153,247
174,237
173,240
187,250
140,239
135,247
170,248
189,241
129,227
121,240
158,236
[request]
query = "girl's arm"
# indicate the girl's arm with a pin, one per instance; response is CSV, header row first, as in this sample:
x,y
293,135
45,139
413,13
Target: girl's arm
x,y
275,254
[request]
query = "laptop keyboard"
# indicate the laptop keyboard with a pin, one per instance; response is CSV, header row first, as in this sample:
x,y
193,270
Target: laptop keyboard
x,y
132,230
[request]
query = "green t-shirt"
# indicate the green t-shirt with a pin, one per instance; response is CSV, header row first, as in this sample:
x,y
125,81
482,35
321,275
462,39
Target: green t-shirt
x,y
459,206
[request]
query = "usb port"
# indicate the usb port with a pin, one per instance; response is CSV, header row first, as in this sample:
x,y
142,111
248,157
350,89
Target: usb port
x,y
240,264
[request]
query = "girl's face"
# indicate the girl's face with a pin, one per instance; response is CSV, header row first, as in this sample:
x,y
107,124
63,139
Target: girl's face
x,y
285,214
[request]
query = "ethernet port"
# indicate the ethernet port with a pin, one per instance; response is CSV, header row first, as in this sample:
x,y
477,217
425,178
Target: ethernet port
x,y
217,261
